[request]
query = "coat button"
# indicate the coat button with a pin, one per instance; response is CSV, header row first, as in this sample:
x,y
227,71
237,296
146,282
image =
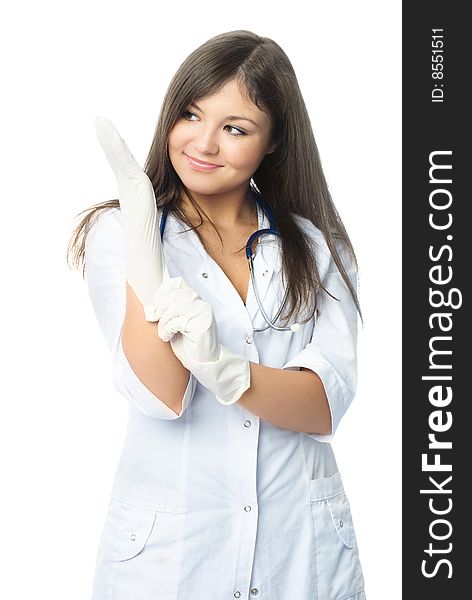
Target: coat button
x,y
265,273
247,423
254,591
341,524
247,508
205,275
132,537
237,594
249,340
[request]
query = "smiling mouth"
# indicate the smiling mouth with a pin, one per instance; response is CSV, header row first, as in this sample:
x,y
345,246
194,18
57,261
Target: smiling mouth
x,y
194,162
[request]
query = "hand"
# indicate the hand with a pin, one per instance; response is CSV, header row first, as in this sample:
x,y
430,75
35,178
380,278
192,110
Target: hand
x,y
188,323
145,266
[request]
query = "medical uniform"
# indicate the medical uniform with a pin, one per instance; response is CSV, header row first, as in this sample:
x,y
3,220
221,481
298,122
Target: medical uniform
x,y
215,503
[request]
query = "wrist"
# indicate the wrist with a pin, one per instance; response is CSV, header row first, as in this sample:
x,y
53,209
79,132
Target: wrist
x,y
228,377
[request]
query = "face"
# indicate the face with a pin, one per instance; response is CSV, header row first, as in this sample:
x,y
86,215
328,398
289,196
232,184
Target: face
x,y
219,141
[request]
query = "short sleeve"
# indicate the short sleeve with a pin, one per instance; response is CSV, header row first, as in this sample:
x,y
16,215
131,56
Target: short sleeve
x,y
105,272
332,350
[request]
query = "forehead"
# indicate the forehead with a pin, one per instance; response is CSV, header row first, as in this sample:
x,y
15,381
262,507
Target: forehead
x,y
232,98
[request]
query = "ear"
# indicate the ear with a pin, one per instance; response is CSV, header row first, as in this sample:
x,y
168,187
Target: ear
x,y
272,148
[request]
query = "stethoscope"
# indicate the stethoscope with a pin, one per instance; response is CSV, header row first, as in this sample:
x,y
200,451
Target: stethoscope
x,y
271,230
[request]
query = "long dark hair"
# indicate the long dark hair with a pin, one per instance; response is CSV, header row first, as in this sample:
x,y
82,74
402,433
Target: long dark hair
x,y
290,179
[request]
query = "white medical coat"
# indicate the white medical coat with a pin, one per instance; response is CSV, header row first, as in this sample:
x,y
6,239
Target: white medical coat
x,y
215,503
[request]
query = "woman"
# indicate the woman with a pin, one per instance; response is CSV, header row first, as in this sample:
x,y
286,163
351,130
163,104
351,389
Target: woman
x,y
227,486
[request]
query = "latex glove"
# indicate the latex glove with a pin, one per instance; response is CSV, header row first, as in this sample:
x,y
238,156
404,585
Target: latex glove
x,y
188,322
145,266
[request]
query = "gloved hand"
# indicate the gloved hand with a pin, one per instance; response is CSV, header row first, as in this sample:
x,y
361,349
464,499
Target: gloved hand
x,y
145,266
188,322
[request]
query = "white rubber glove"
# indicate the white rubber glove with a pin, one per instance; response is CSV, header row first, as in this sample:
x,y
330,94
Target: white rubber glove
x,y
188,322
145,266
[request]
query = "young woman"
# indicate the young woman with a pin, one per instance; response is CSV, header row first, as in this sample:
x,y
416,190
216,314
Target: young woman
x,y
237,377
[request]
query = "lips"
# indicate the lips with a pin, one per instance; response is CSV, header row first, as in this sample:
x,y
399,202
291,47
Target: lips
x,y
201,164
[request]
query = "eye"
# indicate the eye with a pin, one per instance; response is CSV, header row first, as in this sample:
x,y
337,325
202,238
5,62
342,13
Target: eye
x,y
238,131
187,115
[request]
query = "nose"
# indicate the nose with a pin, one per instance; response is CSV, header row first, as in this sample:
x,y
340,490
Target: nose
x,y
206,141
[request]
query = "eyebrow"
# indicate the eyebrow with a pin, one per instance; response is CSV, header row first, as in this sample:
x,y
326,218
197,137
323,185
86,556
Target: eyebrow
x,y
230,117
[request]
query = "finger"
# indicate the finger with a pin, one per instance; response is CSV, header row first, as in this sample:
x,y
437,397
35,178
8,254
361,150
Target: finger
x,y
168,294
117,152
171,325
174,311
172,283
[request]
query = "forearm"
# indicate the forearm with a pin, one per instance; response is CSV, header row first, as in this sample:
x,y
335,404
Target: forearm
x,y
151,359
293,400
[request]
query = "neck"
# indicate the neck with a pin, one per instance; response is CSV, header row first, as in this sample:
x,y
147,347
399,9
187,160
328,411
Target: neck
x,y
226,211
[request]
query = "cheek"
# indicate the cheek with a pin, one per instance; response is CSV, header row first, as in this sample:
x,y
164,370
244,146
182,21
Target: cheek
x,y
245,156
176,139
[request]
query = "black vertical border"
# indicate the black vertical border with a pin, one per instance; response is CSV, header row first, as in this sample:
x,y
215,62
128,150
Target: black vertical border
x,y
428,127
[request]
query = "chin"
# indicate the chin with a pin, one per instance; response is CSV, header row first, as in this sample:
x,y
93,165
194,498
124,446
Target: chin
x,y
205,188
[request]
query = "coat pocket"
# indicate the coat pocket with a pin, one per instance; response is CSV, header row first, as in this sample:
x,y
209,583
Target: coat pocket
x,y
127,529
338,570
342,520
140,551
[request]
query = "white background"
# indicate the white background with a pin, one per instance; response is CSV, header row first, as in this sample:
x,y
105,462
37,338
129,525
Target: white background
x,y
62,424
